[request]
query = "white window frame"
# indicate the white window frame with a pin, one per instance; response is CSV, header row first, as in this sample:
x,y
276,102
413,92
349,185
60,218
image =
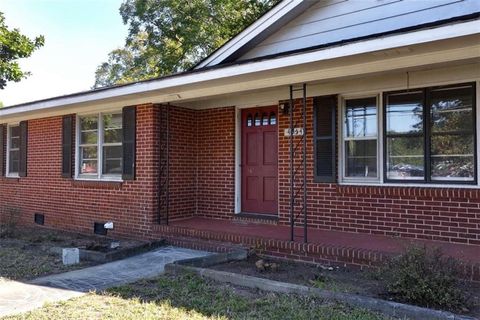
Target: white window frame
x,y
380,157
9,148
341,145
99,176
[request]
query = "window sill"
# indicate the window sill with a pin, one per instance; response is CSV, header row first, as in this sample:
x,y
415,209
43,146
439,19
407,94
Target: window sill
x,y
97,183
12,176
367,183
424,191
117,180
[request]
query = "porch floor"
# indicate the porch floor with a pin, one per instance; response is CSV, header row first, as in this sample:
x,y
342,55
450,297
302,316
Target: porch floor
x,y
369,242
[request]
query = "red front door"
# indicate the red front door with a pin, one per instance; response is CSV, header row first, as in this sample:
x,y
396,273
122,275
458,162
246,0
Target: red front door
x,y
259,160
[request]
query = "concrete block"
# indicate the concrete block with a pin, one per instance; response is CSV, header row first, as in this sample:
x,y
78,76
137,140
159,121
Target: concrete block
x,y
70,256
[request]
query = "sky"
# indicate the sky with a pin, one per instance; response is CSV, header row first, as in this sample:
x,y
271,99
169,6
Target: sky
x,y
79,34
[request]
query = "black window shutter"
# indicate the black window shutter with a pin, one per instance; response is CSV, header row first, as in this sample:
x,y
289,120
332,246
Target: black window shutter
x,y
22,169
128,143
2,150
325,138
67,142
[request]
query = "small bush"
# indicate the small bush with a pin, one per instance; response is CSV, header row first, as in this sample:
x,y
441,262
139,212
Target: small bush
x,y
426,278
9,217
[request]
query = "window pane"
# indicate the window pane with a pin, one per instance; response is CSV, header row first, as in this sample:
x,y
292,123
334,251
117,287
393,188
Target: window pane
x,y
249,120
112,136
265,119
89,123
452,109
453,168
273,119
112,166
88,161
361,118
452,157
15,132
405,158
89,137
404,113
112,125
14,162
89,152
15,137
14,143
112,160
88,167
257,120
112,121
361,158
89,130
112,152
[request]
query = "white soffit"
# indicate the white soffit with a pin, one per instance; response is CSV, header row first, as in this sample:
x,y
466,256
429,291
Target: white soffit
x,y
206,81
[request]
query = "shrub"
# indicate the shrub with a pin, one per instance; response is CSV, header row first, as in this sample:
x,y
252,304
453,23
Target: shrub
x,y
426,278
9,217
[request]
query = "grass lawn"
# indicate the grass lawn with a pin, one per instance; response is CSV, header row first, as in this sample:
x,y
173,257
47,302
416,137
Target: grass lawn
x,y
189,297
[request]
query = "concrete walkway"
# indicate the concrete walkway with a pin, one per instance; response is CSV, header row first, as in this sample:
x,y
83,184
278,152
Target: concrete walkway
x,y
16,297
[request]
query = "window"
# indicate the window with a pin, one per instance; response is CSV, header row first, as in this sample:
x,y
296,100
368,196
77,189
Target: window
x,y
13,164
405,136
265,119
258,122
360,138
273,119
430,135
100,146
249,120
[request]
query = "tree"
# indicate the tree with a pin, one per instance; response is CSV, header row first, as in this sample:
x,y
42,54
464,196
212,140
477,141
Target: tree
x,y
14,46
168,36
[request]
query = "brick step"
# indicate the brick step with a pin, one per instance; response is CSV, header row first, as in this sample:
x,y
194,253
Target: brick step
x,y
204,245
219,241
310,252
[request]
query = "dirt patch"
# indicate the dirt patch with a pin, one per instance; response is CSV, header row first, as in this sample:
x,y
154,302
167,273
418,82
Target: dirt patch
x,y
55,238
28,253
20,261
337,279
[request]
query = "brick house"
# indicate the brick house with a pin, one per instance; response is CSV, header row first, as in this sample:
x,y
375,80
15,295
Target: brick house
x,y
326,131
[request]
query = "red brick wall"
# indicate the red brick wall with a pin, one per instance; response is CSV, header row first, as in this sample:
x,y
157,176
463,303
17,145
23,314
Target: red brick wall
x,y
441,214
76,205
203,137
182,163
216,162
202,183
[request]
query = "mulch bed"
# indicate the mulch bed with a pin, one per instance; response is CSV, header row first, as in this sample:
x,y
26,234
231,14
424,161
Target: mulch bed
x,y
337,279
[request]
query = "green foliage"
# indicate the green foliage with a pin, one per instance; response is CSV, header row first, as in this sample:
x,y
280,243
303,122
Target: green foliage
x,y
426,278
168,36
14,46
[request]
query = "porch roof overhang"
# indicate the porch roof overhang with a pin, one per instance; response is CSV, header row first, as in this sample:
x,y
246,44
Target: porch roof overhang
x,y
440,45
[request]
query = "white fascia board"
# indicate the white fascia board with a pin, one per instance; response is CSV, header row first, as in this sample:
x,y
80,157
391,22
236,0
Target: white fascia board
x,y
250,33
193,81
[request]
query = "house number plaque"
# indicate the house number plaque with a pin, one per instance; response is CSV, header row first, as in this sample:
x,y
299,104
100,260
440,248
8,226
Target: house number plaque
x,y
296,132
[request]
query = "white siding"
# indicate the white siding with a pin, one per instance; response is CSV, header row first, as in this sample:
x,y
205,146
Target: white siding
x,y
336,20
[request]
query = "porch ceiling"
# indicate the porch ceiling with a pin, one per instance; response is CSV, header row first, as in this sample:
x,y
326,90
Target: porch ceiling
x,y
420,49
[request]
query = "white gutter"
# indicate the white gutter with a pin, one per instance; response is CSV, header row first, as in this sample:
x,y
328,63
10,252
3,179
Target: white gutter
x,y
191,81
